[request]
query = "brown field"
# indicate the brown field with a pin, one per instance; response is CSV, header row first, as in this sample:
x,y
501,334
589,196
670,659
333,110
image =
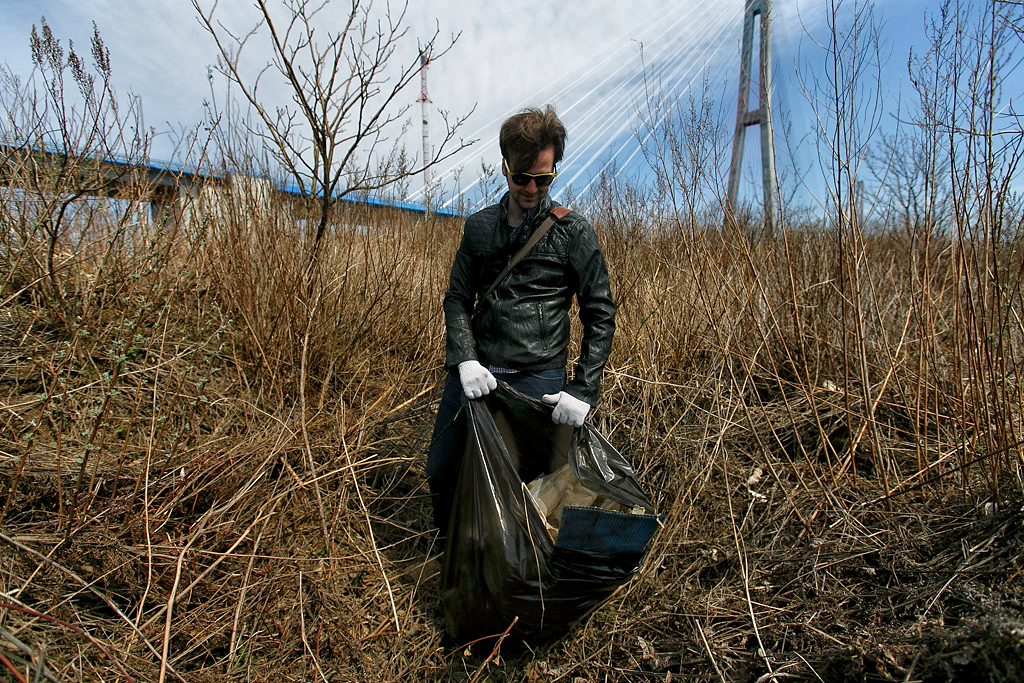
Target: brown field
x,y
212,471
215,422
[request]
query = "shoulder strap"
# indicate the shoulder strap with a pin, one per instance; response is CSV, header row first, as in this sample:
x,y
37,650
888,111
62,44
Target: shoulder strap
x,y
557,213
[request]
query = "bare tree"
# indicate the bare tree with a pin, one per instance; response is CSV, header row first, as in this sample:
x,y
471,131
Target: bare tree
x,y
986,151
848,103
345,89
59,133
911,172
681,137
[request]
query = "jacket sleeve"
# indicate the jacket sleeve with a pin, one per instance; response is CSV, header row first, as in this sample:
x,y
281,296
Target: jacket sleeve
x,y
597,314
458,307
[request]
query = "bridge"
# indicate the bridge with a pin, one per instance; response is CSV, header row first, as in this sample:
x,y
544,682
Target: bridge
x,y
620,96
614,106
172,189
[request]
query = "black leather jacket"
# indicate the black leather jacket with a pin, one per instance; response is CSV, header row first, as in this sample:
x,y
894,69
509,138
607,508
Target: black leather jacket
x,y
524,323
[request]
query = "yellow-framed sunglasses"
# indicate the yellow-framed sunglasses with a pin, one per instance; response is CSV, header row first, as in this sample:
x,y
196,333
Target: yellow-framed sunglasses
x,y
523,179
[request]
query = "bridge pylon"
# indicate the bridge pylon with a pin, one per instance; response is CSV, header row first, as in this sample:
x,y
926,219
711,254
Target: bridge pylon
x,y
745,116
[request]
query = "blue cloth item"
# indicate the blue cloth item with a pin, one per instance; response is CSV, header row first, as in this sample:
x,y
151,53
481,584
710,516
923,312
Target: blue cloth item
x,y
605,531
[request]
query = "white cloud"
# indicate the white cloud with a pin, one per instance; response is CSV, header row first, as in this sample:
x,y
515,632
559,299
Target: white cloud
x,y
508,54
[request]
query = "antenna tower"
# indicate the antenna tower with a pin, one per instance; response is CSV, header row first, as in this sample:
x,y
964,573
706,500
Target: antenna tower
x,y
762,115
425,100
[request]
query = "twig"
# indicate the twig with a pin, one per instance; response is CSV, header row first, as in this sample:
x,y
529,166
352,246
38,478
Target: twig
x,y
242,592
41,668
41,664
284,461
913,665
764,678
898,491
373,541
206,572
813,671
494,651
302,630
39,615
302,423
145,503
762,652
939,594
740,555
88,586
201,527
707,647
369,411
35,571
824,635
13,669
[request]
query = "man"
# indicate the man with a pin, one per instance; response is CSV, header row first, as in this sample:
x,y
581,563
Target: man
x,y
520,332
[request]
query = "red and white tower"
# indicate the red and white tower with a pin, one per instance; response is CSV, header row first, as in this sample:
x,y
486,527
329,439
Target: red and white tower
x,y
425,101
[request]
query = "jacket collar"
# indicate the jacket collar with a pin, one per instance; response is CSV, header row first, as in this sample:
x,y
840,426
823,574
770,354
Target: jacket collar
x,y
538,212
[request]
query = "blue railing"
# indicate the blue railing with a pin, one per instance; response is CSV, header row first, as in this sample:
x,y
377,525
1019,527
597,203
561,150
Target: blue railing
x,y
193,174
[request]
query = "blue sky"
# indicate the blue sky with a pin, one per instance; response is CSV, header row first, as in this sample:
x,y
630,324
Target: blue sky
x,y
508,54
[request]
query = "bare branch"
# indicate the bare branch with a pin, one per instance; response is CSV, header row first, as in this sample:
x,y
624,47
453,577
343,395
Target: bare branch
x,y
346,96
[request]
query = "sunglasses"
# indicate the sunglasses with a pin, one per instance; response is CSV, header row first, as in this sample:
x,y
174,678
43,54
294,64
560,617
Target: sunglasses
x,y
523,179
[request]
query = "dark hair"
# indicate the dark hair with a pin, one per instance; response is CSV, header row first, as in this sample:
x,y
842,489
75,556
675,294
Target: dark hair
x,y
525,135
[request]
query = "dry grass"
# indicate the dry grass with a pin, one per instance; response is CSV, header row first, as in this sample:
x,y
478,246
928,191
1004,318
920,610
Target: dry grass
x,y
211,471
213,434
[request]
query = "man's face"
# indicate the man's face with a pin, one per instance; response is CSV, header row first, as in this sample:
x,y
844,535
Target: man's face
x,y
528,196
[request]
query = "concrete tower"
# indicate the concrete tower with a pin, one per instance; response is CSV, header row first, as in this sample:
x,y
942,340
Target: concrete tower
x,y
761,115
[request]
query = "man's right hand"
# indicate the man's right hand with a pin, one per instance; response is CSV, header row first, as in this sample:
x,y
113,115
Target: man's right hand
x,y
476,380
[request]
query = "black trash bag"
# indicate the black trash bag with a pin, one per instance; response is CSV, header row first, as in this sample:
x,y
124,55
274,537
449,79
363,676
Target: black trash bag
x,y
499,562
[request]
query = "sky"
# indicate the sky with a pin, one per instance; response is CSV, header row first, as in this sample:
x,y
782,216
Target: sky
x,y
588,58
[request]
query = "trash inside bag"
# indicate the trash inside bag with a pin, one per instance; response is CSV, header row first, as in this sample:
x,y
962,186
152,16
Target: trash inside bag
x,y
548,522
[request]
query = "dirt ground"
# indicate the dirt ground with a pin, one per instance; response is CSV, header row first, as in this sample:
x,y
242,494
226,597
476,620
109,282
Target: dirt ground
x,y
735,587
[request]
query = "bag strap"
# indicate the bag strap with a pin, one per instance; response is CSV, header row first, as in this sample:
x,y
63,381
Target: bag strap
x,y
557,213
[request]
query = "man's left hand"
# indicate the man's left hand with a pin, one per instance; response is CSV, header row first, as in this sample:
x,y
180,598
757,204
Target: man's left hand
x,y
569,410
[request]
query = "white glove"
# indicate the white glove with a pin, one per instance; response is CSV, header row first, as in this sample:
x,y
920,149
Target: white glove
x,y
569,410
476,380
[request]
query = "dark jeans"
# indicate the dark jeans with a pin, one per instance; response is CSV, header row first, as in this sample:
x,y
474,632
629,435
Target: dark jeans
x,y
448,443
